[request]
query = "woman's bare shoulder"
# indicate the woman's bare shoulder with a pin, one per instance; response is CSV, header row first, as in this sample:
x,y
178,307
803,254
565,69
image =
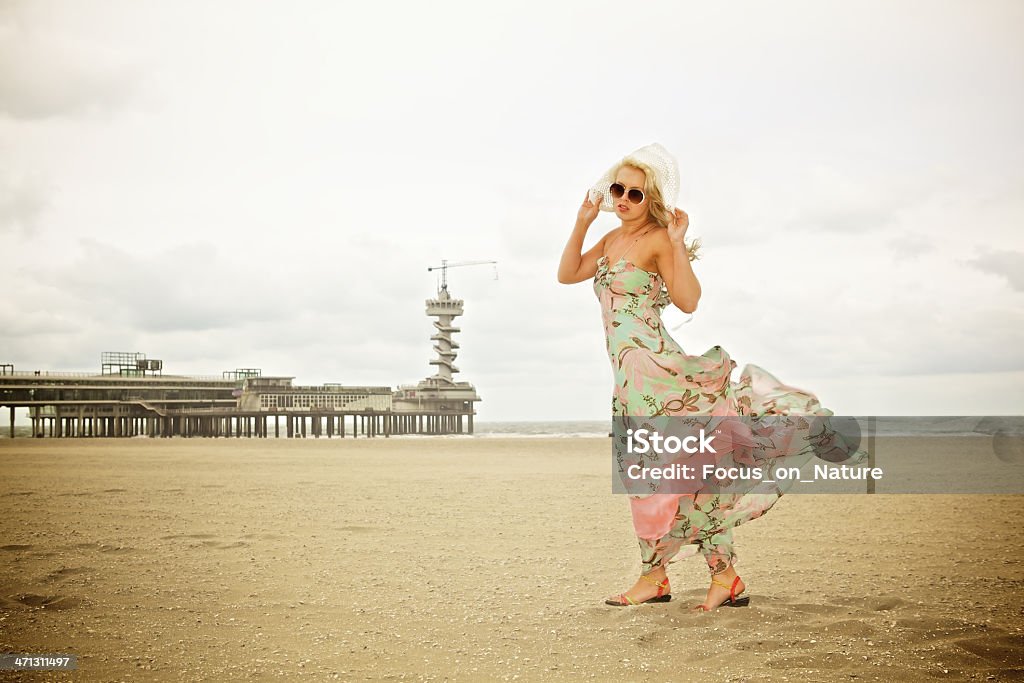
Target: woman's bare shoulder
x,y
661,247
659,240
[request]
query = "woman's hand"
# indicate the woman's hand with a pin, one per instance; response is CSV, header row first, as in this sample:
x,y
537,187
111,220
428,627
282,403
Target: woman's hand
x,y
589,209
677,226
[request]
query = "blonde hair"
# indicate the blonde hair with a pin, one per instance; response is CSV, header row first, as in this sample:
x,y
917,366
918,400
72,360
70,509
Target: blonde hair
x,y
656,203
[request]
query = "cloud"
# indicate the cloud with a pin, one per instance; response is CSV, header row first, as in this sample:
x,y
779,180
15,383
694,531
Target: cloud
x,y
1006,264
837,199
203,310
22,201
189,287
45,73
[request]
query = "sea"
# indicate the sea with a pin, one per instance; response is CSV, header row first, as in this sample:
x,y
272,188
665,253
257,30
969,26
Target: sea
x,y
884,425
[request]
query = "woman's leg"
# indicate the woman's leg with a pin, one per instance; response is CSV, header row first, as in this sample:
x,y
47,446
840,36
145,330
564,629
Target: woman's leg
x,y
715,540
655,556
654,559
717,548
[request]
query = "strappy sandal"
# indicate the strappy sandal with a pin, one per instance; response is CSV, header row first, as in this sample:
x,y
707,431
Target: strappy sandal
x,y
623,600
732,600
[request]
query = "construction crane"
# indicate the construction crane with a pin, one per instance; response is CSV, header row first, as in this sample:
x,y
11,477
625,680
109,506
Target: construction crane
x,y
445,266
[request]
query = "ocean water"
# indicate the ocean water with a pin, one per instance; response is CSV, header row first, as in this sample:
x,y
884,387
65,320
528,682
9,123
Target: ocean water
x,y
885,425
555,428
968,425
526,429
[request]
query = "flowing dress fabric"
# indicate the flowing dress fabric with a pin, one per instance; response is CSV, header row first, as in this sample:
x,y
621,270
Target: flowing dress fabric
x,y
655,377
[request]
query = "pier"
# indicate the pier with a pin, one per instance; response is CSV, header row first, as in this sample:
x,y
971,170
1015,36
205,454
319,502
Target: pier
x,y
64,405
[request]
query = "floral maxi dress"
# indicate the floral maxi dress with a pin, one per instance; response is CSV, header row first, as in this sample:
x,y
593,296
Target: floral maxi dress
x,y
655,377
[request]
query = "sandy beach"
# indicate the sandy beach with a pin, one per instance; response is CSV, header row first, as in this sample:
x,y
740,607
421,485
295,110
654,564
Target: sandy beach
x,y
472,559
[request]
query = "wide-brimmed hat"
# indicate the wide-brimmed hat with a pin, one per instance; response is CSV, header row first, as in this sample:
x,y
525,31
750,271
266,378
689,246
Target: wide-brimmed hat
x,y
666,175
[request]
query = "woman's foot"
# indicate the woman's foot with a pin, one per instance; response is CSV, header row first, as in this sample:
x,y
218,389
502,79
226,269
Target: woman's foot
x,y
649,587
725,586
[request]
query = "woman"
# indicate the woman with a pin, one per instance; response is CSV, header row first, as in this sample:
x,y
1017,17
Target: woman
x,y
655,377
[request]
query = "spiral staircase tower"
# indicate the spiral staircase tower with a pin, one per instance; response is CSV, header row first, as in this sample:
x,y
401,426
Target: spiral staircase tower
x,y
445,309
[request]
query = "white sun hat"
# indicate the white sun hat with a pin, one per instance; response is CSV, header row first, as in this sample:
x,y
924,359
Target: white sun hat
x,y
666,175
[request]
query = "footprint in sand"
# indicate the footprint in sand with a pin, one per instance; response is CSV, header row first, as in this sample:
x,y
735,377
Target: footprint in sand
x,y
104,548
196,536
225,544
997,647
65,572
114,549
54,602
884,603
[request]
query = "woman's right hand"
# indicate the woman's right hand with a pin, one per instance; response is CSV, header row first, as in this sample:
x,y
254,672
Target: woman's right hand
x,y
589,209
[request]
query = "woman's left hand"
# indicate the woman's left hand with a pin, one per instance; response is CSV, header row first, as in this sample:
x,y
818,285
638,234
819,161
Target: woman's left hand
x,y
677,226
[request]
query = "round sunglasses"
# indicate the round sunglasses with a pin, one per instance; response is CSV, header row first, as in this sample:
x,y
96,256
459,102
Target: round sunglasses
x,y
635,195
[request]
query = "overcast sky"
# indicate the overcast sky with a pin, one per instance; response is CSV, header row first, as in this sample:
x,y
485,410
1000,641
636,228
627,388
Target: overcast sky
x,y
224,185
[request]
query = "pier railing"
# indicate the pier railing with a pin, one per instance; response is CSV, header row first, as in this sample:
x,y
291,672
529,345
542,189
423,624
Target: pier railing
x,y
96,375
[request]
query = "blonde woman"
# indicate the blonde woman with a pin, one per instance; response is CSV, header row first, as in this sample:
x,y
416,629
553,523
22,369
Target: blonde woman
x,y
638,268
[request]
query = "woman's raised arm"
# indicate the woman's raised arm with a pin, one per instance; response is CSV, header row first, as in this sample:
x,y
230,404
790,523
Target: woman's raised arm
x,y
575,267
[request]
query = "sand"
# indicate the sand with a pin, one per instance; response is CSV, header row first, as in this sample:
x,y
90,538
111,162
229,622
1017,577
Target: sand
x,y
472,559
